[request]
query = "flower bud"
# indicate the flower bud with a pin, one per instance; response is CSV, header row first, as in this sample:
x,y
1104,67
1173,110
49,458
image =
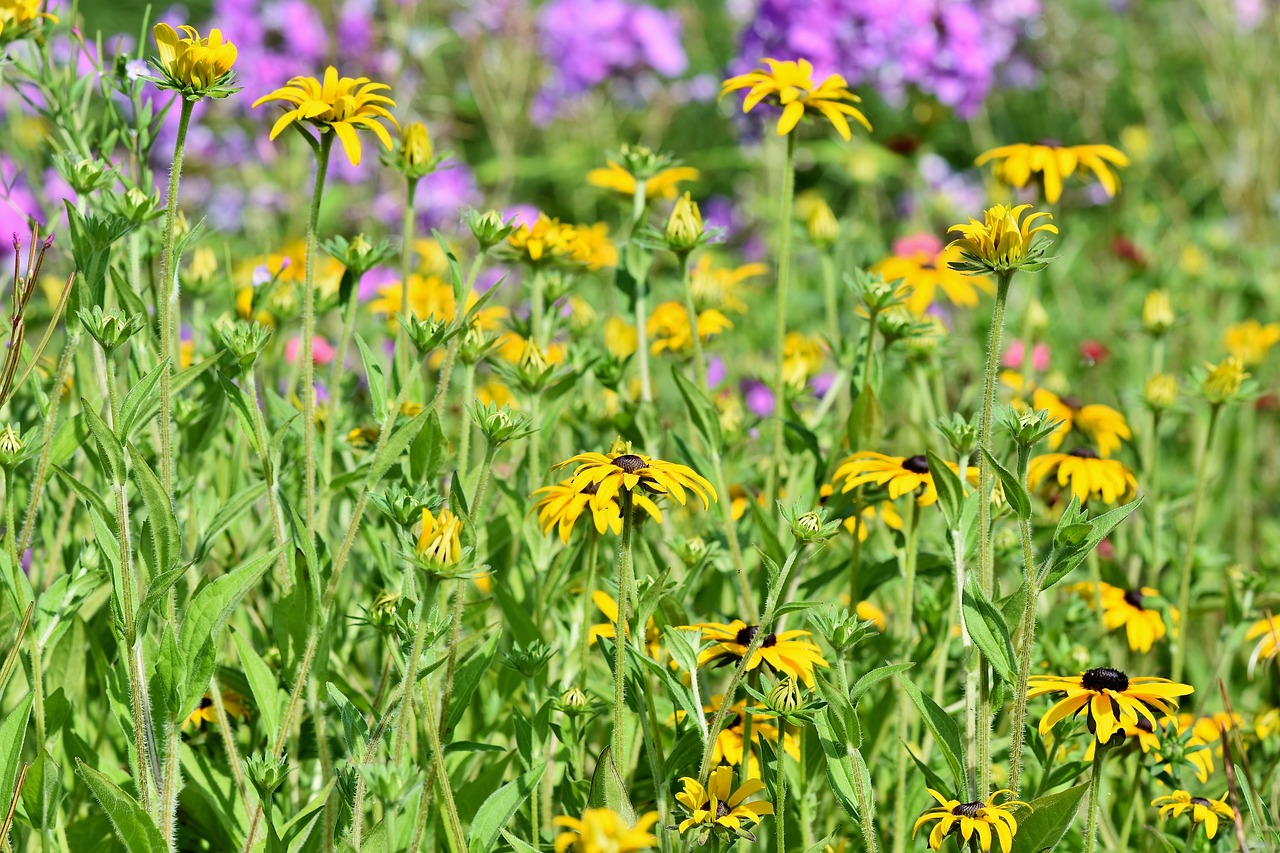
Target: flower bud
x,y
684,228
487,228
10,446
266,772
111,329
1160,392
573,701
244,341
822,226
785,697
427,334
416,153
501,425
385,611
1223,381
692,551
1157,313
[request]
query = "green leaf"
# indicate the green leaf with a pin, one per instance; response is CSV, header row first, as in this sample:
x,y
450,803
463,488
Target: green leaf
x,y
845,769
500,807
165,533
377,379
69,438
608,790
236,506
945,732
516,844
42,792
158,589
140,396
1044,827
13,733
866,422
864,684
467,678
701,411
355,729
243,407
989,632
295,832
171,673
136,830
426,454
1014,492
109,447
1064,561
950,489
400,439
262,683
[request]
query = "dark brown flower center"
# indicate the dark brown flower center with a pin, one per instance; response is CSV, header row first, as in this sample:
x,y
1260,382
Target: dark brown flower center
x,y
1084,453
1201,801
968,809
747,634
590,489
1070,402
721,809
629,462
1133,597
1105,678
1145,725
916,464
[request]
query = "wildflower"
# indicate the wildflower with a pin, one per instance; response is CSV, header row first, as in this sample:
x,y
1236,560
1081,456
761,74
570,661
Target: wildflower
x,y
668,327
429,297
192,66
900,474
1222,383
621,469
923,265
1103,424
562,504
663,183
620,337
1088,475
822,226
979,818
788,652
684,227
573,701
1160,392
790,85
718,806
111,329
1202,810
605,831
206,713
339,104
608,605
1127,608
1109,697
546,240
802,357
591,247
416,155
1157,313
1004,241
1267,633
17,16
1250,341
716,287
1015,164
440,542
488,228
730,743
785,696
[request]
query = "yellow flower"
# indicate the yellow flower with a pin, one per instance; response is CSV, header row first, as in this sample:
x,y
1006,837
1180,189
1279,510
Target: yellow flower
x,y
339,104
684,227
190,63
203,266
664,184
1015,164
802,357
1266,723
609,607
1202,811
430,297
821,224
790,85
668,327
511,348
561,504
1126,608
416,151
1250,341
205,712
969,819
605,831
1267,633
1089,476
440,541
590,246
728,748
1161,391
717,287
363,436
787,652
1224,379
16,15
620,337
1157,313
621,469
548,239
923,273
719,806
900,474
287,272
496,393
1004,239
1109,697
1103,424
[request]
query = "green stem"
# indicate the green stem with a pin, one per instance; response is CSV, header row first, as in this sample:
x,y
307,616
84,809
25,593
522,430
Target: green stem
x,y
410,679
406,264
451,354
642,309
1193,530
269,476
466,427
1157,502
905,706
1026,637
336,397
453,824
584,645
166,304
455,634
1095,785
830,296
780,330
620,633
780,810
46,441
308,333
537,318
699,361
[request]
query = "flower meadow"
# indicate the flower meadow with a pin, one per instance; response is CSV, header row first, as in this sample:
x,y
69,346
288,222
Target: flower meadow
x,y
795,425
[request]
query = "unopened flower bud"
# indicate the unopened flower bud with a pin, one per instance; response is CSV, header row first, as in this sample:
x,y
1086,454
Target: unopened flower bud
x,y
822,225
1157,313
111,329
1223,381
684,228
573,701
1160,392
488,228
785,697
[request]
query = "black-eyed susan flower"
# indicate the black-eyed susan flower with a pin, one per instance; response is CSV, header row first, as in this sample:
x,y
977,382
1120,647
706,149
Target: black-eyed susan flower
x,y
729,746
1250,341
545,241
664,183
605,831
1129,609
1087,475
1222,382
18,16
719,807
900,474
790,85
592,248
1106,427
789,652
1267,633
717,287
1108,697
440,540
193,66
561,504
1005,240
1015,164
638,474
984,819
1202,811
608,606
206,713
923,266
668,327
338,104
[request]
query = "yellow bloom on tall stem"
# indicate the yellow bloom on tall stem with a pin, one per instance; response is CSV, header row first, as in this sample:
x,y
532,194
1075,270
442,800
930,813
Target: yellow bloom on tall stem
x,y
1015,164
191,64
1103,424
788,652
1089,476
925,269
605,831
1223,380
900,474
1127,608
1108,697
338,104
440,541
1202,811
1003,239
1250,341
638,474
561,505
719,806
665,184
547,239
608,606
983,819
790,85
669,330
716,287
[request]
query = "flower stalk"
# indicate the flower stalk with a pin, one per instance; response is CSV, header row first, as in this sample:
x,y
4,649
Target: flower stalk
x,y
780,329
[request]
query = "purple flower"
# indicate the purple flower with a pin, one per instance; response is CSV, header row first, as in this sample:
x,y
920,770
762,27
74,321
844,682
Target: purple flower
x,y
758,397
716,371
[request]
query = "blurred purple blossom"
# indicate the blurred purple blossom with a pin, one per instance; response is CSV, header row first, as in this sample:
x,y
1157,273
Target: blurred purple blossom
x,y
758,397
716,371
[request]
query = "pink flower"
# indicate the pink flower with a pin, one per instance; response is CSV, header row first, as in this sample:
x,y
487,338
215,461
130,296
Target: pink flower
x,y
917,244
1039,356
1092,352
322,352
